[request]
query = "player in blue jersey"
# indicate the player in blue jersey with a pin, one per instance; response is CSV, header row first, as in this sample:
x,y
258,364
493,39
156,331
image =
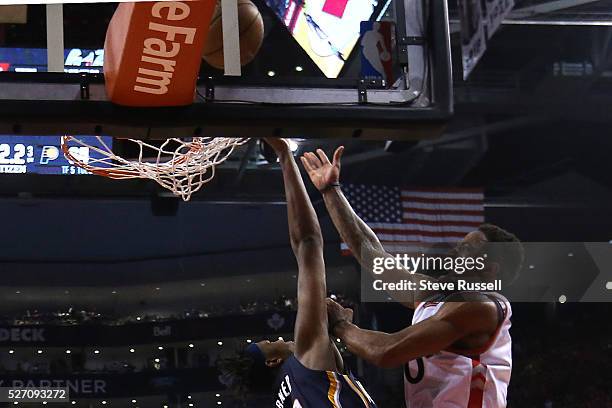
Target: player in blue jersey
x,y
310,371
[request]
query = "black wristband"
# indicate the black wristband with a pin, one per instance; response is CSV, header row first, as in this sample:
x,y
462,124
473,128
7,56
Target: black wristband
x,y
330,186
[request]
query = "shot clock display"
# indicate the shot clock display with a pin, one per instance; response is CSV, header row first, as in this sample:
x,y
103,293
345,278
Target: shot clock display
x,y
43,154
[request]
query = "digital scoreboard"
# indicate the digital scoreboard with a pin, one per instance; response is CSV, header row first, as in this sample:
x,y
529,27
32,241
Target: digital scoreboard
x,y
43,154
76,60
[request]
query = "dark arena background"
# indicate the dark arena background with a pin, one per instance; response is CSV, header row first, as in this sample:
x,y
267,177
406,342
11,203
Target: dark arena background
x,y
130,296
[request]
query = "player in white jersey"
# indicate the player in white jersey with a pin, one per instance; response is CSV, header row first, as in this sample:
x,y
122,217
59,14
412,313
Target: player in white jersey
x,y
457,352
460,377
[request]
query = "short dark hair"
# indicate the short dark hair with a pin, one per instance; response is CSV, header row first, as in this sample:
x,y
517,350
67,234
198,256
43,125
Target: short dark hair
x,y
243,376
509,256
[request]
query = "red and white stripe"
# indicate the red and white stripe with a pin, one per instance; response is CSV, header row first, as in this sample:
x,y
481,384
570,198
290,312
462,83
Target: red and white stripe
x,y
431,217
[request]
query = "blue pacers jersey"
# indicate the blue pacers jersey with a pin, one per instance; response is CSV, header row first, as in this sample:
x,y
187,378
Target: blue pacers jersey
x,y
301,387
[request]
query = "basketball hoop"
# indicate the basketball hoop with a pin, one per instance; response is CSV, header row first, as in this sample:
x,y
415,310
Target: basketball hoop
x,y
181,166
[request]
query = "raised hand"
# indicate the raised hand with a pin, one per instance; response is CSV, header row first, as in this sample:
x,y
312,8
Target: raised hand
x,y
280,145
321,171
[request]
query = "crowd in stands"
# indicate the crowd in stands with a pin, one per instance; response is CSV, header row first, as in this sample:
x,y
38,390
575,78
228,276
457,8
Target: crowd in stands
x,y
69,316
564,362
562,355
83,315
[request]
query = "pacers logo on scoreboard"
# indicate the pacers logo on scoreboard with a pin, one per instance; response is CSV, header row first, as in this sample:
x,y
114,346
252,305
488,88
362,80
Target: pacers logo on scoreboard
x,y
43,155
49,153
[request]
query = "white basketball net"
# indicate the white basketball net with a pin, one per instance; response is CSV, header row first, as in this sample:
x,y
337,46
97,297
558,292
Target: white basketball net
x,y
181,166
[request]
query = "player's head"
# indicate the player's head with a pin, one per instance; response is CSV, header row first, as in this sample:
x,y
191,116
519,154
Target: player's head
x,y
272,354
504,251
256,368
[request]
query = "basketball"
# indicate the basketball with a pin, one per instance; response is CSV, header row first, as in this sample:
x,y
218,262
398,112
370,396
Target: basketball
x,y
251,35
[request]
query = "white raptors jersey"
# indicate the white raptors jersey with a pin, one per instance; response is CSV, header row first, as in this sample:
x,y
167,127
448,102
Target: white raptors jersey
x,y
450,380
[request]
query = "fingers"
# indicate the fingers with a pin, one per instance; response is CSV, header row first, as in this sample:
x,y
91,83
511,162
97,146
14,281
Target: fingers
x,y
312,160
320,159
338,156
323,156
307,165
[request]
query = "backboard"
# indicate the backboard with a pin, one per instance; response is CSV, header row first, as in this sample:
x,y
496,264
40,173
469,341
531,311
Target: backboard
x,y
333,68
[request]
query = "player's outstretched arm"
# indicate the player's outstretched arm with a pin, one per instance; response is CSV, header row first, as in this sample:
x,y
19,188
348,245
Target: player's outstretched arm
x,y
361,240
312,345
476,321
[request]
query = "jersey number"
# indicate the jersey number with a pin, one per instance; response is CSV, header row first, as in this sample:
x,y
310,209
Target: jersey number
x,y
419,374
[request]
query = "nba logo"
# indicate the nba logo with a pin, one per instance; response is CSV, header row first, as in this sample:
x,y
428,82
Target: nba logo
x,y
377,46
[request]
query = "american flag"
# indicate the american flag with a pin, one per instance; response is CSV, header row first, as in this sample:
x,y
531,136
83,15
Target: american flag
x,y
406,220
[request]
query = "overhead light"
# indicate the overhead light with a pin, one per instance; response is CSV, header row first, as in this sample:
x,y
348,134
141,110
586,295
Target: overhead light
x,y
220,343
271,73
157,288
44,402
114,292
160,348
68,351
189,397
249,341
11,351
218,402
96,351
191,404
138,318
191,345
157,360
281,338
17,292
39,351
217,395
338,340
299,68
293,145
132,350
73,402
133,401
103,402
202,284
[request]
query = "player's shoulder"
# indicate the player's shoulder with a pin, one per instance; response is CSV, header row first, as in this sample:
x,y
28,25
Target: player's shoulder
x,y
467,297
294,366
470,308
